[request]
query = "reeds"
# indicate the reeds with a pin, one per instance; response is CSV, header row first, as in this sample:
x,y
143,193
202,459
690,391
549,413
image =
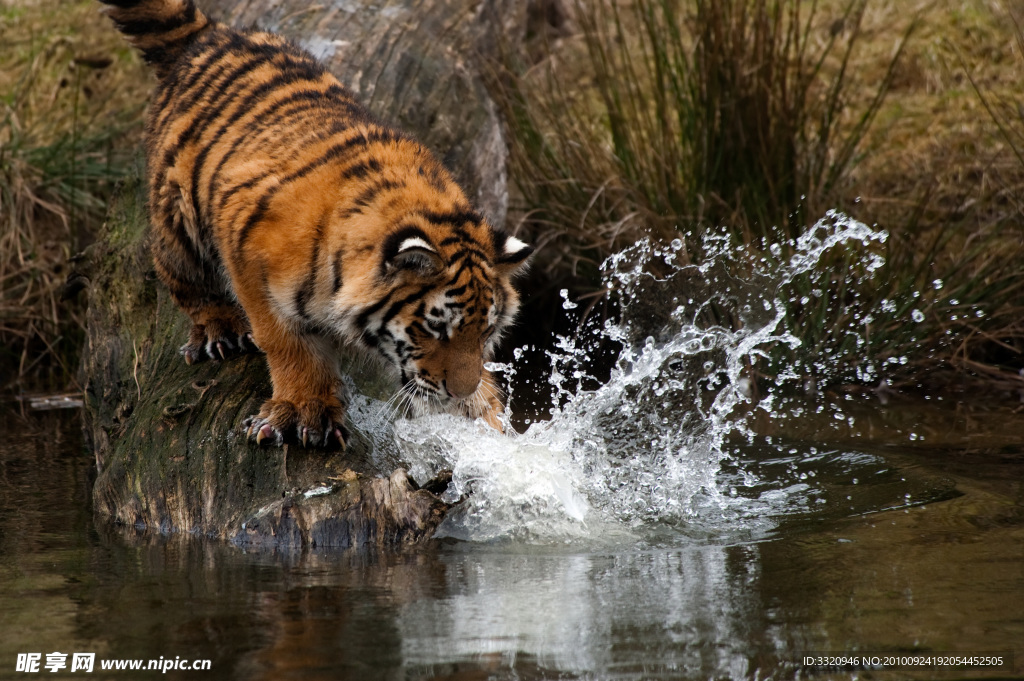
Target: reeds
x,y
947,308
726,114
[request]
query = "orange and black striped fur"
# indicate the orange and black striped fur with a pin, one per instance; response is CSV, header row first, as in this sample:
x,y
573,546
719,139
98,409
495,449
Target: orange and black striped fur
x,y
284,216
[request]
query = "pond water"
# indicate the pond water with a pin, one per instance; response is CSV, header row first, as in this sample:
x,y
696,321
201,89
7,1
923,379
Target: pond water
x,y
866,571
679,517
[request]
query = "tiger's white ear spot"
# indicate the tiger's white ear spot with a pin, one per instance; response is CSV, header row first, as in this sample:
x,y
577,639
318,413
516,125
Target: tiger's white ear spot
x,y
513,251
514,246
415,242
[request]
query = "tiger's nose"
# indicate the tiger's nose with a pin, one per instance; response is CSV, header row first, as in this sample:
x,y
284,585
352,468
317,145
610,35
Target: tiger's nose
x,y
462,381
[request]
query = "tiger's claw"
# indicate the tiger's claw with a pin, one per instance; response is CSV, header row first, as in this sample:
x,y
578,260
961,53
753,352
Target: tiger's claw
x,y
313,423
218,342
260,431
265,432
246,343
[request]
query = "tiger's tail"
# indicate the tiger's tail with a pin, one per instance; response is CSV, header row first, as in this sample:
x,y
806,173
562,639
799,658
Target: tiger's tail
x,y
160,29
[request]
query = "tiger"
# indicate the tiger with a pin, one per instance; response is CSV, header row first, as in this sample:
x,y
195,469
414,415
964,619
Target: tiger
x,y
287,219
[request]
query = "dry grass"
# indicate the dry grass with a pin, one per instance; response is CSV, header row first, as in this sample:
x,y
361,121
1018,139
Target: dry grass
x,y
659,115
866,107
934,134
71,99
941,172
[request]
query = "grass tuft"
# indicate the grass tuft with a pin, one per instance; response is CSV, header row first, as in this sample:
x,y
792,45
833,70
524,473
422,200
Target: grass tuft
x,y
732,114
70,119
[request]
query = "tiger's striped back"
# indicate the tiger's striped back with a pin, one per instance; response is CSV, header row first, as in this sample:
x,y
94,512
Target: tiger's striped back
x,y
285,215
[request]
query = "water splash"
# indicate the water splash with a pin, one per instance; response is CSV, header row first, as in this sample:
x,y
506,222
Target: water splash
x,y
645,447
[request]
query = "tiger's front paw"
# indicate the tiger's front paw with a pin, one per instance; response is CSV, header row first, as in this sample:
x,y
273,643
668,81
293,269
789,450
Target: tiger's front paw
x,y
313,423
217,340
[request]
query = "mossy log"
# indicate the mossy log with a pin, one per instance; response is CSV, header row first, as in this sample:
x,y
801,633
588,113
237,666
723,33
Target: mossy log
x,y
167,439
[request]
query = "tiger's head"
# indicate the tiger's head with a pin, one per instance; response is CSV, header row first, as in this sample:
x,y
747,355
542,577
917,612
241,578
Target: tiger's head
x,y
448,278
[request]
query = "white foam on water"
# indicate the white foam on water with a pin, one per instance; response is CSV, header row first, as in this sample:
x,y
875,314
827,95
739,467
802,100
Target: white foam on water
x,y
645,447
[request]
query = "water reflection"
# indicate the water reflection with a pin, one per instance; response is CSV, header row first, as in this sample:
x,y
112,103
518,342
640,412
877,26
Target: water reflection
x,y
684,611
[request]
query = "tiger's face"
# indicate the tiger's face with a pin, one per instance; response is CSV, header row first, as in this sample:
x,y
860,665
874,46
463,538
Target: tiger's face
x,y
449,301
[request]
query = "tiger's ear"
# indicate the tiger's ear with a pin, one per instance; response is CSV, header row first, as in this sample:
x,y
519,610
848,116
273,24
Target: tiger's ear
x,y
512,253
412,252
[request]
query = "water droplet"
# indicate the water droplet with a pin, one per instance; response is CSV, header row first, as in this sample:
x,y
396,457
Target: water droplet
x,y
917,316
566,303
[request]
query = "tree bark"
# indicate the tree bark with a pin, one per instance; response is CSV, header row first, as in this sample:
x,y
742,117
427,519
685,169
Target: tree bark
x,y
166,436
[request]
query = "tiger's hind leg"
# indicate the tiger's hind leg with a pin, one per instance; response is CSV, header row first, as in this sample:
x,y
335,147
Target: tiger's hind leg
x,y
219,330
191,272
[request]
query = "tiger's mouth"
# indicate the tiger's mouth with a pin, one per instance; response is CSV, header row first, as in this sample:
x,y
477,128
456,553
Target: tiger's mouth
x,y
421,396
432,397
